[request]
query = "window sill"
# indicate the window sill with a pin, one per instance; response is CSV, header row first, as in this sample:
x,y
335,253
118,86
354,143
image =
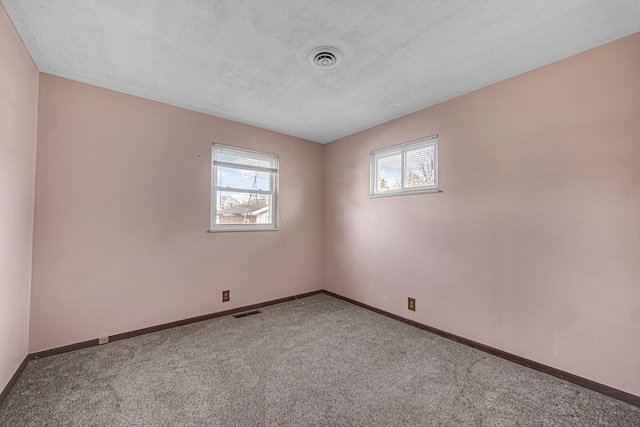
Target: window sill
x,y
405,193
241,230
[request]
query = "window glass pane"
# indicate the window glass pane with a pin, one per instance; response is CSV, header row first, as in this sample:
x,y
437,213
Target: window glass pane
x,y
229,156
389,173
420,167
242,208
243,196
242,178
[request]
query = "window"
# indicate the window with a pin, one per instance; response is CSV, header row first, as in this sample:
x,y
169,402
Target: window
x,y
244,189
407,168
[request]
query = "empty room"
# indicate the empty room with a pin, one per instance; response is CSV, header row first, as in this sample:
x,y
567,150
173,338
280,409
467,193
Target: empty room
x,y
295,213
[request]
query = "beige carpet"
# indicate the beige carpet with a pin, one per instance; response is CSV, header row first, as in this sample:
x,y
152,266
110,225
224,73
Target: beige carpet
x,y
319,361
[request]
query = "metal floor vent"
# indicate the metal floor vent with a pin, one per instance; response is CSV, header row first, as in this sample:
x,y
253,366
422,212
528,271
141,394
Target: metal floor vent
x,y
248,313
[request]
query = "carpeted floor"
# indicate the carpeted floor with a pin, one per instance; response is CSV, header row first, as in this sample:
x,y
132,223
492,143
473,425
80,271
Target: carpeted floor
x,y
315,362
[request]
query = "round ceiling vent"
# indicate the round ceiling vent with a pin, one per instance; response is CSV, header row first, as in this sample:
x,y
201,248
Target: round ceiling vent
x,y
325,57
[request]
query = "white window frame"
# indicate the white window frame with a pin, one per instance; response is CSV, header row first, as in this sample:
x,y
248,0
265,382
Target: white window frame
x,y
402,149
273,192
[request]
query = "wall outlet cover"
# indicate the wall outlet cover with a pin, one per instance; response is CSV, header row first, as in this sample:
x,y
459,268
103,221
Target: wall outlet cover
x,y
411,304
225,296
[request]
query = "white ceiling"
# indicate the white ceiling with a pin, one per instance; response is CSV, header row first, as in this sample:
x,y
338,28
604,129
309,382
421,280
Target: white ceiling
x,y
246,60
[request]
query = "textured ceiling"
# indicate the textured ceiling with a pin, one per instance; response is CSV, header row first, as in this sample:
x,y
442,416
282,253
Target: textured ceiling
x,y
247,60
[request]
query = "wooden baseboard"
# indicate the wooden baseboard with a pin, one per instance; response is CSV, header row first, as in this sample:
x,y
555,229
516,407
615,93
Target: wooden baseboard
x,y
63,349
575,379
130,334
175,324
14,379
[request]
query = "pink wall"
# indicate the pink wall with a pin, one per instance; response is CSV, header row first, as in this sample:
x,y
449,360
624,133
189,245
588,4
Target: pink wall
x,y
122,210
18,124
534,245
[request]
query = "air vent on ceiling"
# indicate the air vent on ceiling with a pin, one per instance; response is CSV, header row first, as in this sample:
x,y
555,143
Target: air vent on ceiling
x,y
325,57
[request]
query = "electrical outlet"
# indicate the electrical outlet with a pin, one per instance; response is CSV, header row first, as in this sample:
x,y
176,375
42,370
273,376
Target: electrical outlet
x,y
225,296
412,304
103,340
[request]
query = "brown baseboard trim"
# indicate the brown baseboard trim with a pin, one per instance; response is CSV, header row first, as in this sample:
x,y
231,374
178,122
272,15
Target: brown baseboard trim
x,y
14,379
131,334
175,324
583,382
63,349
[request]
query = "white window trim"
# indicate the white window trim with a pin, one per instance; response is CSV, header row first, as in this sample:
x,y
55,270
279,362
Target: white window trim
x,y
402,150
275,172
